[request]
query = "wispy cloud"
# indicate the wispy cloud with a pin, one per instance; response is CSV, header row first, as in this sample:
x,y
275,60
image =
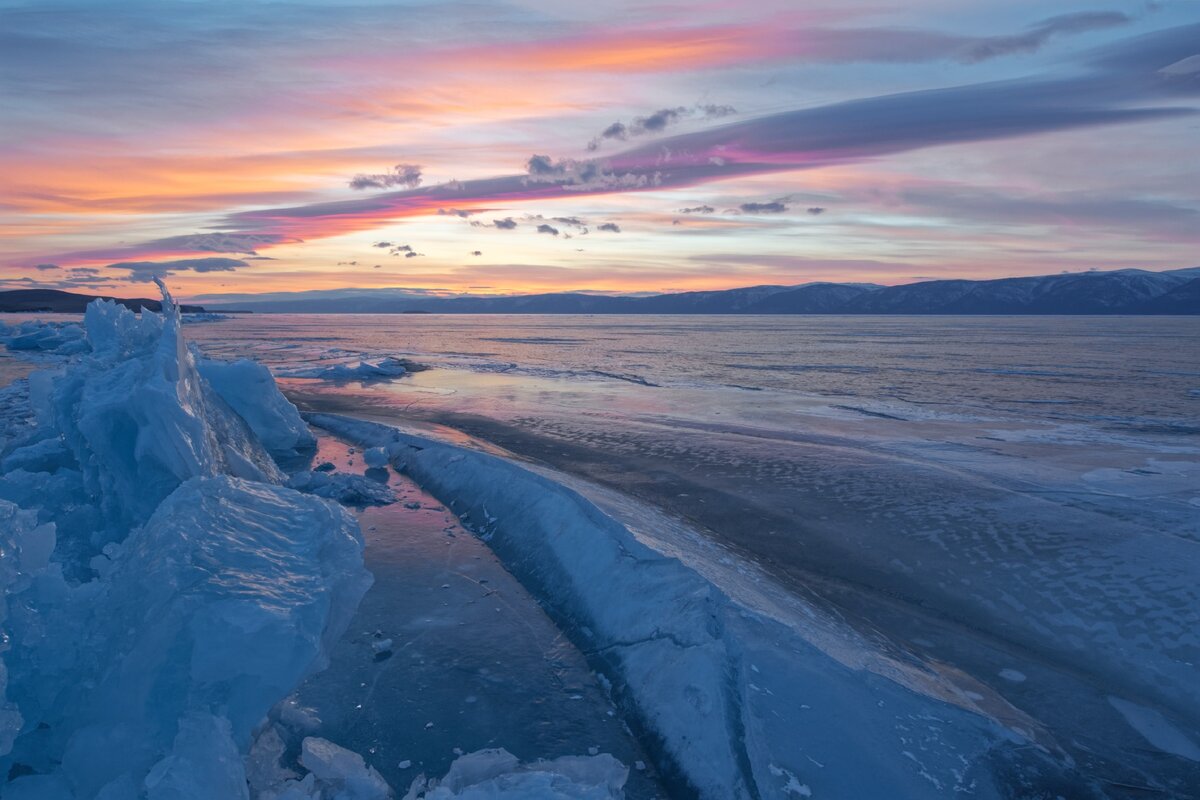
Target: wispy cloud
x,y
334,97
1038,35
773,207
659,121
405,175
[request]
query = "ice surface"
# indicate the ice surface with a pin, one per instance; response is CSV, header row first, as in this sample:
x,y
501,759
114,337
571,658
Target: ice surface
x,y
203,316
162,592
1156,729
741,703
363,371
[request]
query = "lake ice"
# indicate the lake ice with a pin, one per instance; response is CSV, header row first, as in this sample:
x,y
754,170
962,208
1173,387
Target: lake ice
x,y
980,609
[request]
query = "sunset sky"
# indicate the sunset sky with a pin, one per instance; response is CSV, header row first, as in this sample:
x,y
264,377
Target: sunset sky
x,y
241,147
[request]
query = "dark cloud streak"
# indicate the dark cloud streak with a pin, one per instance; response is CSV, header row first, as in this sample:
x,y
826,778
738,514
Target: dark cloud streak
x,y
406,175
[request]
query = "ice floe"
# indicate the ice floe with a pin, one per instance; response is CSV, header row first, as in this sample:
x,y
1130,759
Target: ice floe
x,y
363,371
58,338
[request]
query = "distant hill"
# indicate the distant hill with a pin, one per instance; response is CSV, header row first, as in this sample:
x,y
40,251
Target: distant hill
x,y
1183,299
1126,291
55,301
816,298
1119,292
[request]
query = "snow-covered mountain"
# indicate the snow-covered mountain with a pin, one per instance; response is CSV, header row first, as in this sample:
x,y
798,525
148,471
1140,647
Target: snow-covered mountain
x,y
1126,291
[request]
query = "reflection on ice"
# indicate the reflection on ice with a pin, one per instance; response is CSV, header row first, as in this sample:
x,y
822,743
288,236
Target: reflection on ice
x,y
474,662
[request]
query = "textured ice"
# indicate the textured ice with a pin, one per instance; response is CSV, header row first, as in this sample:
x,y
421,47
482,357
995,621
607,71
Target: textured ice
x,y
742,703
349,490
204,764
138,418
203,316
58,338
226,599
249,389
363,371
162,591
498,775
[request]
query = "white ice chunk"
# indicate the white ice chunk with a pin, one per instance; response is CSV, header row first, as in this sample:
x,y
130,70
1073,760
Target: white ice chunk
x,y
144,679
140,421
57,338
227,598
250,390
343,772
347,489
363,371
496,774
203,765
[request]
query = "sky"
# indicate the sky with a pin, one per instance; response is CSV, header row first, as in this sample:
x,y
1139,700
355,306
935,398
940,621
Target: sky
x,y
239,146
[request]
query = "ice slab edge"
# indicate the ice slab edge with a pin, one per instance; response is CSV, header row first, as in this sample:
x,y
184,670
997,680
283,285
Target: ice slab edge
x,y
735,705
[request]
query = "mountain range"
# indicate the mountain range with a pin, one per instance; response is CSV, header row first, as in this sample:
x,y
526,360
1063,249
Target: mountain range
x,y
42,301
1126,291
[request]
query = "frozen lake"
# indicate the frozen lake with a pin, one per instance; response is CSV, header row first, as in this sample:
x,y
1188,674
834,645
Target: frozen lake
x,y
1006,506
1016,498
